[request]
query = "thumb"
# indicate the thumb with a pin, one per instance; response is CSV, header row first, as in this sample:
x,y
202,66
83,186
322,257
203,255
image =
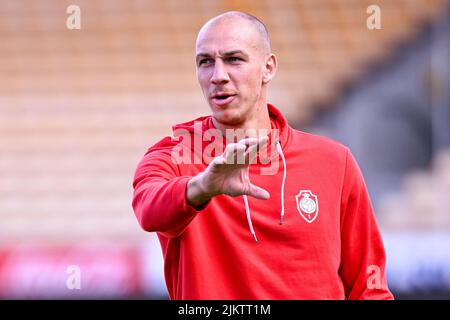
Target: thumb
x,y
257,192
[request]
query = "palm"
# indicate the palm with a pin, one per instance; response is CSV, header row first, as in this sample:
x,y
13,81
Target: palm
x,y
228,173
232,179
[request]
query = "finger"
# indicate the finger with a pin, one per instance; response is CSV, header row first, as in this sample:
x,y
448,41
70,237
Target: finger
x,y
240,154
263,140
229,152
257,192
248,141
219,160
253,150
254,144
258,142
234,153
254,140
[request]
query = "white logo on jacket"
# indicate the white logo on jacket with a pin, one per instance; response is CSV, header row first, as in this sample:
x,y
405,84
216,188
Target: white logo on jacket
x,y
307,205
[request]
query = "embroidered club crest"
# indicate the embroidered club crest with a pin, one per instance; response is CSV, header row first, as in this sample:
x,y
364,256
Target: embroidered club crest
x,y
307,205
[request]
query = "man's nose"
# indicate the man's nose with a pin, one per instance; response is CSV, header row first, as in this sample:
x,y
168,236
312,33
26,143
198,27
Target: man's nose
x,y
220,75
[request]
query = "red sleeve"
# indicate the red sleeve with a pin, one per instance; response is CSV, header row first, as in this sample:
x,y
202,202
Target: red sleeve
x,y
363,256
159,199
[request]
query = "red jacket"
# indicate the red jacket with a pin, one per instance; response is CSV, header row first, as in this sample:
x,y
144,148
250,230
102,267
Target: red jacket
x,y
329,246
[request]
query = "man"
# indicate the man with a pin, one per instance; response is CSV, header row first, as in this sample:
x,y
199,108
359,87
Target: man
x,y
307,231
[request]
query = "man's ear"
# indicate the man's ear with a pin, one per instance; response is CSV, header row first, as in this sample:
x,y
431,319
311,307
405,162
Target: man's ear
x,y
270,68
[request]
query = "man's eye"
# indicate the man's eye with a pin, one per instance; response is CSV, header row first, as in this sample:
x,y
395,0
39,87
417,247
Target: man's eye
x,y
204,61
234,59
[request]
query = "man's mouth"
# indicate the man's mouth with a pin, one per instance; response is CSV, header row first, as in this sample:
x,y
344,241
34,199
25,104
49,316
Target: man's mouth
x,y
222,99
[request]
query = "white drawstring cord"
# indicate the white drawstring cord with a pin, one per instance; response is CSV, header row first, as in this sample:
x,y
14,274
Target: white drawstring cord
x,y
280,151
249,219
247,208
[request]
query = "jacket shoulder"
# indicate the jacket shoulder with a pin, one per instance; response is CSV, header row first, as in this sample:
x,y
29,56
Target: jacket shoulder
x,y
319,143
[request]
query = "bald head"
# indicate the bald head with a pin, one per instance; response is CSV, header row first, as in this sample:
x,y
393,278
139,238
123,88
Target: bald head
x,y
245,20
234,65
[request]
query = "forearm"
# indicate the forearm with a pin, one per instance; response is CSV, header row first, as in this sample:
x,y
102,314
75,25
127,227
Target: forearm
x,y
161,206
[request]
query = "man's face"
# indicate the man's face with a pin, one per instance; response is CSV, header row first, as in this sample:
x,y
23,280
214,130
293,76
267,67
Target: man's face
x,y
230,69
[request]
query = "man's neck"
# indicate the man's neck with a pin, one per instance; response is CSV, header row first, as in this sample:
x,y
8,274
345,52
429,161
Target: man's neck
x,y
256,123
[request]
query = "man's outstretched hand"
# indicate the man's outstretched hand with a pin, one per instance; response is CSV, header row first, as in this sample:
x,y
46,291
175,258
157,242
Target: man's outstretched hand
x,y
228,174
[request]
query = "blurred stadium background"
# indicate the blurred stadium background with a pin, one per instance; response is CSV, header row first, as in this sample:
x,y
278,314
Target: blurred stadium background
x,y
78,109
